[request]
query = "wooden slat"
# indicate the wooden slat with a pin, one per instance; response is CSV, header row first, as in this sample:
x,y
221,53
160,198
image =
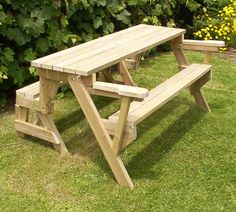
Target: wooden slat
x,y
30,91
200,48
22,114
99,131
130,129
125,75
123,90
101,53
28,103
36,131
104,46
120,129
164,92
115,55
212,43
49,124
82,48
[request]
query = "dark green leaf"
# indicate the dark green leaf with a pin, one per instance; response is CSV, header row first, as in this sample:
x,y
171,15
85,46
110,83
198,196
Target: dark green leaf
x,y
110,27
97,22
42,44
9,54
29,54
124,17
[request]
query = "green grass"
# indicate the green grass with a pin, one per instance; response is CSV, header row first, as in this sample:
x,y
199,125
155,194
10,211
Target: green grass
x,y
183,159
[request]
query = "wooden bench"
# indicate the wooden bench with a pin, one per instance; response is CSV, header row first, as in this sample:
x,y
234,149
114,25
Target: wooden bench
x,y
208,46
26,98
194,76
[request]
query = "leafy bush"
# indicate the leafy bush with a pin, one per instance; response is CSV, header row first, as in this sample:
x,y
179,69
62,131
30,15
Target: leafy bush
x,y
31,29
218,21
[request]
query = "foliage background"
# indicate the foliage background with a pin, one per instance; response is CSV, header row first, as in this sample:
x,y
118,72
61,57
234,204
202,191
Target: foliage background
x,y
31,29
217,21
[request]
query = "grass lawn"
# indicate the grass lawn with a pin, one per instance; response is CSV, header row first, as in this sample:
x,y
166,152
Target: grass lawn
x,y
183,159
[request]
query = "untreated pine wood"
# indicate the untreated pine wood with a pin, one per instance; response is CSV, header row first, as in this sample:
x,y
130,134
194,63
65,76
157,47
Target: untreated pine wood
x,y
113,56
164,92
29,92
48,123
204,43
120,128
84,48
99,131
130,132
36,131
93,48
199,83
125,75
53,75
125,46
48,91
207,57
208,46
178,52
123,90
183,62
28,103
93,91
22,114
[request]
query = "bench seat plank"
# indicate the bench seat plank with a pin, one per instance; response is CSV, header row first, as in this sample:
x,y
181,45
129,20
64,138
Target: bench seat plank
x,y
29,92
212,43
164,92
123,90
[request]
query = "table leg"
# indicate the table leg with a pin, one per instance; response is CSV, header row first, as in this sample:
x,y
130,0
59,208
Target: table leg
x,y
99,130
120,128
22,114
125,75
183,63
48,123
48,91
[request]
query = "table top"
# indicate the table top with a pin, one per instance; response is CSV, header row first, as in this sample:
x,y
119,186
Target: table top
x,y
96,55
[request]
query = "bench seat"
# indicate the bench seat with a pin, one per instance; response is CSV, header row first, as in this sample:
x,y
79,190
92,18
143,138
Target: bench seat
x,y
163,93
29,92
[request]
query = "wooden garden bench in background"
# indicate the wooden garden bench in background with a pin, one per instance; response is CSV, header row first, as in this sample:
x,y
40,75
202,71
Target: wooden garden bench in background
x,y
78,66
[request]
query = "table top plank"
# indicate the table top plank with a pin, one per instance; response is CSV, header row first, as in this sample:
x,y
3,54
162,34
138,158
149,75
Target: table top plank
x,y
115,55
84,47
103,47
103,52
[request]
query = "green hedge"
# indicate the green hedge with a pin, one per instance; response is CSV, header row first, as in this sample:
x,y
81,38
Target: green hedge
x,y
31,29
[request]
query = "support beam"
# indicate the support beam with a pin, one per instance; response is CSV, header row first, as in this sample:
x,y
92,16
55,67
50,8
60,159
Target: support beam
x,y
99,131
22,114
183,62
48,91
48,123
120,129
36,131
207,57
125,75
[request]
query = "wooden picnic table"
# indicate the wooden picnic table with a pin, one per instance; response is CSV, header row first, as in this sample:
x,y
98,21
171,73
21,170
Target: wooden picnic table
x,y
78,66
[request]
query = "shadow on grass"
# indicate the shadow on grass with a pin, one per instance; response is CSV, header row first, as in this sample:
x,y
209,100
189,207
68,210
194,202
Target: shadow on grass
x,y
70,120
141,164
